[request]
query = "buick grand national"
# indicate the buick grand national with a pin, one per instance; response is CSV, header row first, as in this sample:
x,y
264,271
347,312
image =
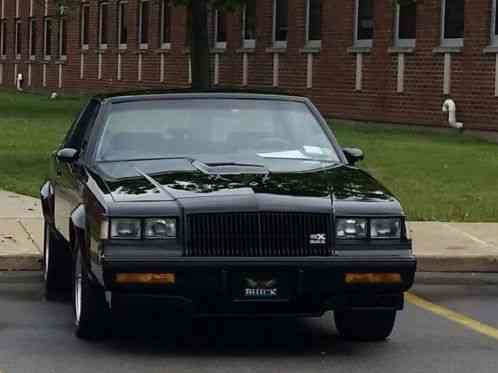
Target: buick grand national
x,y
220,203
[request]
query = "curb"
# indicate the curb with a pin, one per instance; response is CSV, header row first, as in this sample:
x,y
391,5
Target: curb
x,y
20,263
480,264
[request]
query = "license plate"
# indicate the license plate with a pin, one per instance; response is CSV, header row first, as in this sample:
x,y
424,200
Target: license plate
x,y
262,286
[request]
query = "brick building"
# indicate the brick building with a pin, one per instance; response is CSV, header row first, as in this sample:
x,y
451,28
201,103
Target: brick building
x,y
357,59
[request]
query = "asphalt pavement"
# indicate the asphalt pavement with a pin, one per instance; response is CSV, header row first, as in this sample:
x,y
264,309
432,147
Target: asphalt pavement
x,y
37,336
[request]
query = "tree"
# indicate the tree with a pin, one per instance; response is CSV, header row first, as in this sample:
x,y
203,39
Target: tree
x,y
199,45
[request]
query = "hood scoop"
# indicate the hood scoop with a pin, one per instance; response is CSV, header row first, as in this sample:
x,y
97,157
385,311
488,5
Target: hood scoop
x,y
230,168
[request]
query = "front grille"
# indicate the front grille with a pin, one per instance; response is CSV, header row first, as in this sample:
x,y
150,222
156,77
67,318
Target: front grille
x,y
261,234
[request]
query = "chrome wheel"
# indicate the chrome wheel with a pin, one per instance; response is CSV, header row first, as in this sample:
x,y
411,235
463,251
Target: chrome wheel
x,y
90,307
77,289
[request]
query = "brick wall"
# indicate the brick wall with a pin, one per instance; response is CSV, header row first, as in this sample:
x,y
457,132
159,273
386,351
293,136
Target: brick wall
x,y
334,66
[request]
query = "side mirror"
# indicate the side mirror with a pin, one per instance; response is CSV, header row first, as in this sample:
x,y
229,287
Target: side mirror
x,y
67,155
353,155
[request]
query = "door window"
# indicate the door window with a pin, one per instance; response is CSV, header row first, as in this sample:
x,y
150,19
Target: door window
x,y
76,136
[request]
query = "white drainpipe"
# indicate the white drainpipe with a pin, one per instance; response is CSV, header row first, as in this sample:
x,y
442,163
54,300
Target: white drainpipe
x,y
449,107
19,82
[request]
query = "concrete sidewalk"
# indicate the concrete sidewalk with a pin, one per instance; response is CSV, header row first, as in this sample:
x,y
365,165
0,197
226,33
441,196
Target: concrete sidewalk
x,y
21,232
440,247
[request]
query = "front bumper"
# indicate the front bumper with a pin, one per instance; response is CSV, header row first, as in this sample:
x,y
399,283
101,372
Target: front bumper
x,y
209,286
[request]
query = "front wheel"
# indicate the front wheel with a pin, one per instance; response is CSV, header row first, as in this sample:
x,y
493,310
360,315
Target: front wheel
x,y
56,265
90,307
365,325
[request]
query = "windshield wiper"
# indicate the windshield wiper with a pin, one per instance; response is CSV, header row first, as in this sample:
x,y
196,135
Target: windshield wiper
x,y
145,159
302,159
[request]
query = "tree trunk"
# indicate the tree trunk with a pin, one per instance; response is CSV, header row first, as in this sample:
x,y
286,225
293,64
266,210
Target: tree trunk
x,y
199,46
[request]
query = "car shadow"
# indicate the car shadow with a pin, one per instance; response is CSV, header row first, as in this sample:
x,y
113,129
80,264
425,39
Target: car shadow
x,y
180,335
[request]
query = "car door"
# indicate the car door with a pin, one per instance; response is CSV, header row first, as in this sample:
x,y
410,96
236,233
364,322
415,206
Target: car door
x,y
67,177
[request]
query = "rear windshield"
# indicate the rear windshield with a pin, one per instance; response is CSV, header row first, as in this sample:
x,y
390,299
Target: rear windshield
x,y
281,135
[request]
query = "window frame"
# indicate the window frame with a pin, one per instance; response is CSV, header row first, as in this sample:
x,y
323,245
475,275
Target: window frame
x,y
362,43
280,44
102,24
32,37
449,42
84,21
140,30
62,39
18,38
121,22
3,37
247,43
402,43
312,43
165,44
47,41
218,44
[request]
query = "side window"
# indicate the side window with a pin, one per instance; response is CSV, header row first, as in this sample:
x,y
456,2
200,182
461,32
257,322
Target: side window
x,y
83,124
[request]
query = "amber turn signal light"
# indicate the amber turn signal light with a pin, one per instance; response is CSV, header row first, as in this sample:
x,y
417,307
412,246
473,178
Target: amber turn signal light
x,y
145,278
372,278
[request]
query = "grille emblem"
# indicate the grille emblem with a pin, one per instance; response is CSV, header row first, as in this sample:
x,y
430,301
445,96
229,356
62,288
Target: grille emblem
x,y
260,288
318,238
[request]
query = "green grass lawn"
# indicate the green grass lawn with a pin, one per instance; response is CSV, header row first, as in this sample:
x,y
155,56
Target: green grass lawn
x,y
437,176
30,128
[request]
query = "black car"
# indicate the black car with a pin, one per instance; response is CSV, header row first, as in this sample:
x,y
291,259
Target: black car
x,y
220,203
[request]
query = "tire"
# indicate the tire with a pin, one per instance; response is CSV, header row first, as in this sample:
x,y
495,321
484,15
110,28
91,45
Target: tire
x,y
56,265
91,312
367,326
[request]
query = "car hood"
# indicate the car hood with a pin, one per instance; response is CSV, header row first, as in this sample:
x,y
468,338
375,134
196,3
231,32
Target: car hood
x,y
335,184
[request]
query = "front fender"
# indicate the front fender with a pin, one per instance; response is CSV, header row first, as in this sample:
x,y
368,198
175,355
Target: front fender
x,y
78,218
81,236
78,227
47,202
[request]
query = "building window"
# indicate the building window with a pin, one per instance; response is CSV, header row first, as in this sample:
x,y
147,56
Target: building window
x,y
85,25
32,37
220,29
3,37
314,23
188,26
18,40
406,24
166,24
62,39
364,23
47,38
452,20
494,24
280,23
123,25
103,25
249,24
143,24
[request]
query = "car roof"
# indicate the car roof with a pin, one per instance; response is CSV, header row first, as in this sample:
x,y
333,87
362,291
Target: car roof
x,y
144,95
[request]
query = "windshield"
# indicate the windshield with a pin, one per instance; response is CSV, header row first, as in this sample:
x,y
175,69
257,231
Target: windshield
x,y
279,135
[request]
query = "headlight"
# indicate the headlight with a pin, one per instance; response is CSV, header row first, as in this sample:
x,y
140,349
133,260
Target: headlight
x,y
351,228
388,228
160,229
126,229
